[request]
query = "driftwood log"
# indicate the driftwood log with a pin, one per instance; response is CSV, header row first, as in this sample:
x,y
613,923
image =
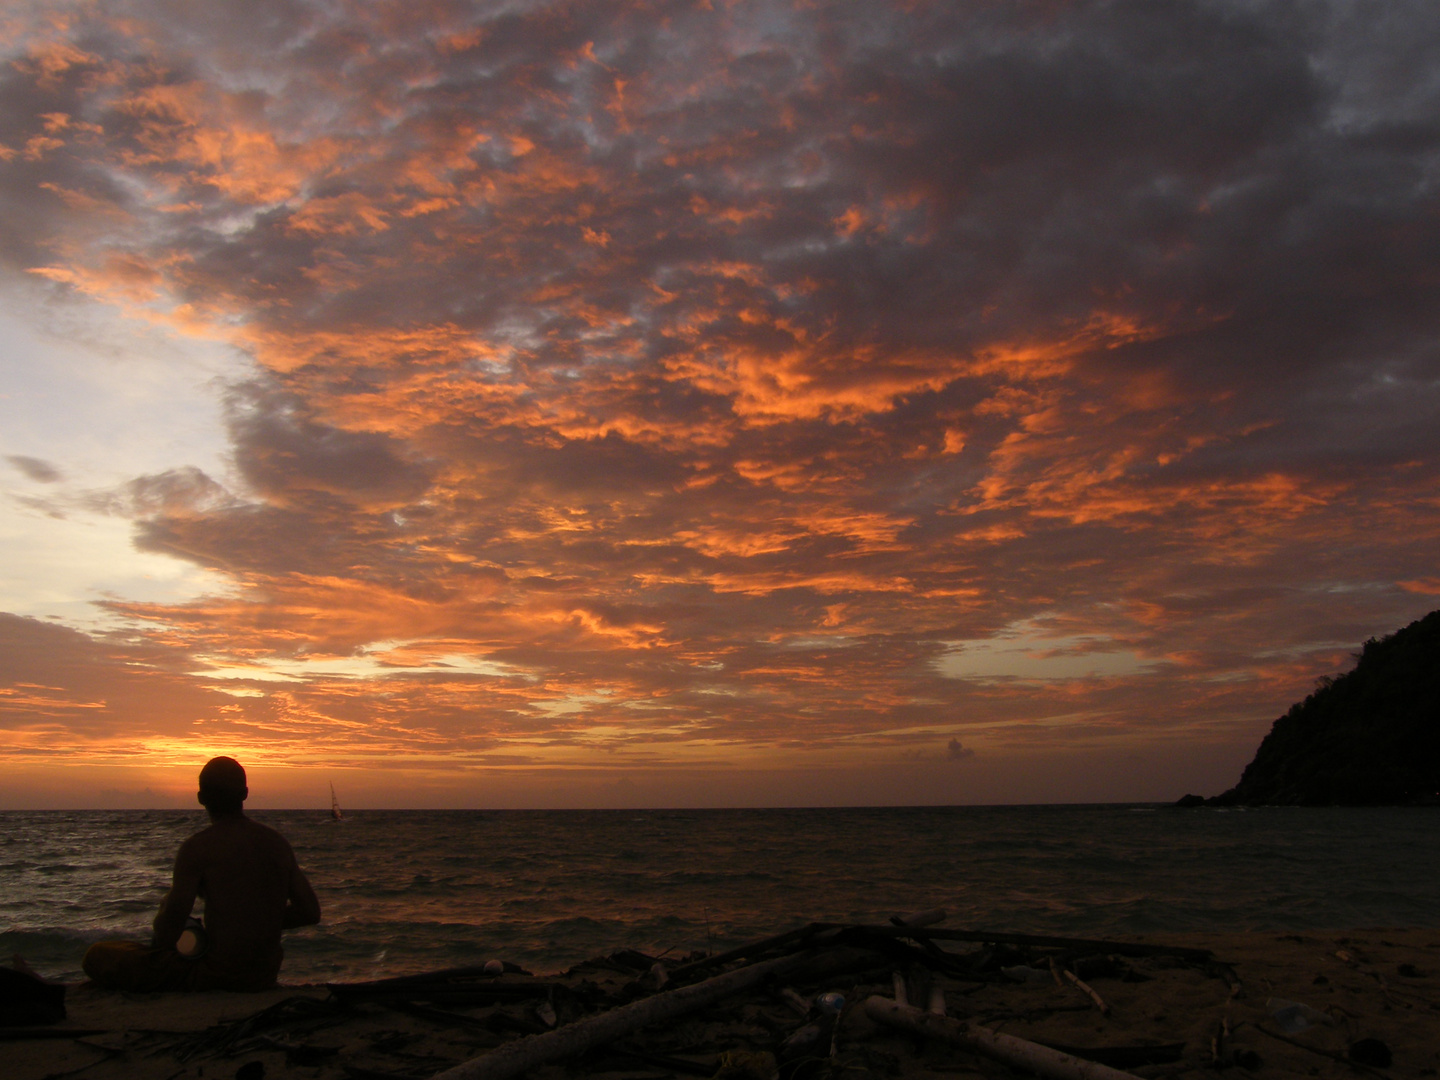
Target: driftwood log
x,y
1089,991
513,1058
1120,948
920,918
919,928
1018,1053
791,940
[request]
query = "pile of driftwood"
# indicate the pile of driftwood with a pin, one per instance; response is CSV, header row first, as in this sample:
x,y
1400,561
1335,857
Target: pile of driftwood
x,y
613,1014
909,948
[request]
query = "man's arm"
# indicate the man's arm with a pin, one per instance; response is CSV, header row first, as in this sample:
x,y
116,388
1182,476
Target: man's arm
x,y
175,908
302,907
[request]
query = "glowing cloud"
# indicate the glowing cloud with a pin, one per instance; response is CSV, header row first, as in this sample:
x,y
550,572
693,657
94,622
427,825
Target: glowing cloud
x,y
733,387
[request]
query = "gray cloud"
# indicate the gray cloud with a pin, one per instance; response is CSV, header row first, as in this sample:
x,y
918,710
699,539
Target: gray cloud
x,y
42,472
286,453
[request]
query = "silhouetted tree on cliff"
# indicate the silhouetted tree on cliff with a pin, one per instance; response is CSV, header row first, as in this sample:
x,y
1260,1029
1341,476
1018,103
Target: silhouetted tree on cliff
x,y
1370,737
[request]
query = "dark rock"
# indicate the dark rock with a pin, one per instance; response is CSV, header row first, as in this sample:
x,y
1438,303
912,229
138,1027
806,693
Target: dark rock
x,y
1369,737
632,960
1190,800
25,999
1371,1052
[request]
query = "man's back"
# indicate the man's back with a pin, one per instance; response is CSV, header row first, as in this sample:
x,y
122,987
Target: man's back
x,y
244,872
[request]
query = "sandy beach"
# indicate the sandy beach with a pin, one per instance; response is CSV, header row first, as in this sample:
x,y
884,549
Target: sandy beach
x,y
1380,985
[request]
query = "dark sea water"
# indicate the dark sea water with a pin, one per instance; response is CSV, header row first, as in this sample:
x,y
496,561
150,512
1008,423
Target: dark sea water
x,y
408,891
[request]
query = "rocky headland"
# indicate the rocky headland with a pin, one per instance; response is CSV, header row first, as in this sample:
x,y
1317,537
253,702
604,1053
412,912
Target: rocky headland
x,y
1369,737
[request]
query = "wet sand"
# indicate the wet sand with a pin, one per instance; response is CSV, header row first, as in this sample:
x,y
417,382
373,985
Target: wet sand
x,y
1381,985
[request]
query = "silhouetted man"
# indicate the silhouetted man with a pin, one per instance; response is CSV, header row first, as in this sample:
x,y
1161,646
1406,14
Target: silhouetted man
x,y
252,887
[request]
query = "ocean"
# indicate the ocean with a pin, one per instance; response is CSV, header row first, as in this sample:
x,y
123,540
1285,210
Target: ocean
x,y
410,891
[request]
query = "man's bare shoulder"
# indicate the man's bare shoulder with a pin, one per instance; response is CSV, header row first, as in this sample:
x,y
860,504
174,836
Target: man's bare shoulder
x,y
270,836
223,833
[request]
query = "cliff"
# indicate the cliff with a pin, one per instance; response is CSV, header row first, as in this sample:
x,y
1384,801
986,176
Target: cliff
x,y
1370,737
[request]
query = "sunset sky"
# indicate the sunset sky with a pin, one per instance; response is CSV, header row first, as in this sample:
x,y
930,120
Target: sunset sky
x,y
704,403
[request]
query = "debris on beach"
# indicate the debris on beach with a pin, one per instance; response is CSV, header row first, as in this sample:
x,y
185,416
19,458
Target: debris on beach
x,y
826,1002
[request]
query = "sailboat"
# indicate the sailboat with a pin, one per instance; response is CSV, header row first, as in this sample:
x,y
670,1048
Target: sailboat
x,y
335,812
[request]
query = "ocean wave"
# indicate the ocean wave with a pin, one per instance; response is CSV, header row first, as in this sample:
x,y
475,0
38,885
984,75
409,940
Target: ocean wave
x,y
403,891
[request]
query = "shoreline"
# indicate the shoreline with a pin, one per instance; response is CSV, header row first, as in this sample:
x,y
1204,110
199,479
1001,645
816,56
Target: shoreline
x,y
1378,984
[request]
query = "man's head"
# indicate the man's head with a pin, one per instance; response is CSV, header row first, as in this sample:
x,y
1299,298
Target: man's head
x,y
222,786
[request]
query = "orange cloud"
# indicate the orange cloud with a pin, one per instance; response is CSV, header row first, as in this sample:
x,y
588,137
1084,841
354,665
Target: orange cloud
x,y
631,385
